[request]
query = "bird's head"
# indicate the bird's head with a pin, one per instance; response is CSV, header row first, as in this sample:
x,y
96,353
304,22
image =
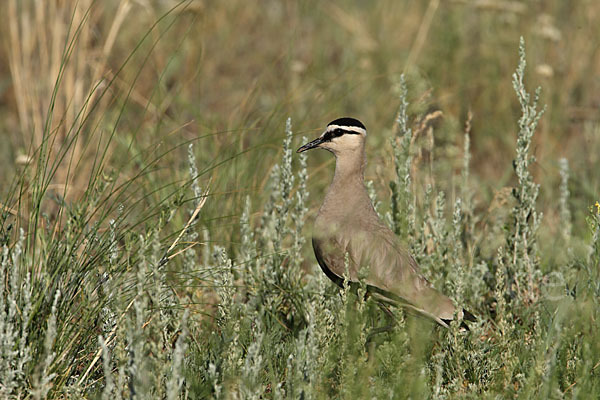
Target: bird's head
x,y
343,135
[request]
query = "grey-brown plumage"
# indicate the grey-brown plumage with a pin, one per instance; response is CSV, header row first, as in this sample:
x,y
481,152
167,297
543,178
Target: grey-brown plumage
x,y
348,224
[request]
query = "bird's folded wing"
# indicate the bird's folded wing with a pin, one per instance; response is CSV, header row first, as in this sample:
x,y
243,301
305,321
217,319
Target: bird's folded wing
x,y
389,270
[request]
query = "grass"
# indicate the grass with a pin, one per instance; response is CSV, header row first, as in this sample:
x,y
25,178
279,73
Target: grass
x,y
155,221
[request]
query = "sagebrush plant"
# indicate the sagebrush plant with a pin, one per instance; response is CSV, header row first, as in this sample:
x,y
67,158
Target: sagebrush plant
x,y
521,246
114,295
402,212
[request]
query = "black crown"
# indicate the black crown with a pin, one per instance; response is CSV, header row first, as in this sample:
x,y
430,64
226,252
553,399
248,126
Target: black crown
x,y
347,121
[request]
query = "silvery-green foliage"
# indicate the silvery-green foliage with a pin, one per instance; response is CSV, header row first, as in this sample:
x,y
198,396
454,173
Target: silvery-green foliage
x,y
298,216
305,361
274,225
373,196
287,174
251,372
564,211
457,273
352,343
224,282
251,266
194,173
308,357
106,291
440,390
394,358
465,172
161,295
500,292
190,255
146,359
43,377
477,288
467,192
521,249
109,385
429,244
176,379
248,249
402,197
282,180
592,266
15,311
422,241
113,252
206,255
138,368
232,319
277,279
438,240
216,379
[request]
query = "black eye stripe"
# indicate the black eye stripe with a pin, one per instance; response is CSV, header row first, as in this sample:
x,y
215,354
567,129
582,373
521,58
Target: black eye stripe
x,y
337,133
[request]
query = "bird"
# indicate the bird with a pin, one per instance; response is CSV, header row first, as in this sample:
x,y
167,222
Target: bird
x,y
348,235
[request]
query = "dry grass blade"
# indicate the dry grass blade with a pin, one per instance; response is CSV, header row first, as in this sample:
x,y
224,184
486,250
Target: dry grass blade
x,y
8,209
201,203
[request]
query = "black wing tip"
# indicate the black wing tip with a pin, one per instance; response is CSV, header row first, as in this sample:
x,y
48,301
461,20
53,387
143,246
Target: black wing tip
x,y
468,316
462,324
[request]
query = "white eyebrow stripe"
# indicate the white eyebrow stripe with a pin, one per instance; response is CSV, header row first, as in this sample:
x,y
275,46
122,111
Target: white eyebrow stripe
x,y
356,129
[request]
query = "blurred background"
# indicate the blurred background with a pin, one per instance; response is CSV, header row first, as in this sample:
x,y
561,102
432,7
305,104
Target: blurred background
x,y
139,78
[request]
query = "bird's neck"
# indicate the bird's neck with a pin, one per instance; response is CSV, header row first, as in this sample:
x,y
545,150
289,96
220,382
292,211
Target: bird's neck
x,y
347,190
349,169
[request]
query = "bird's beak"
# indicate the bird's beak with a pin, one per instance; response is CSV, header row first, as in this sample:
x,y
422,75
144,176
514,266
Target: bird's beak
x,y
310,145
